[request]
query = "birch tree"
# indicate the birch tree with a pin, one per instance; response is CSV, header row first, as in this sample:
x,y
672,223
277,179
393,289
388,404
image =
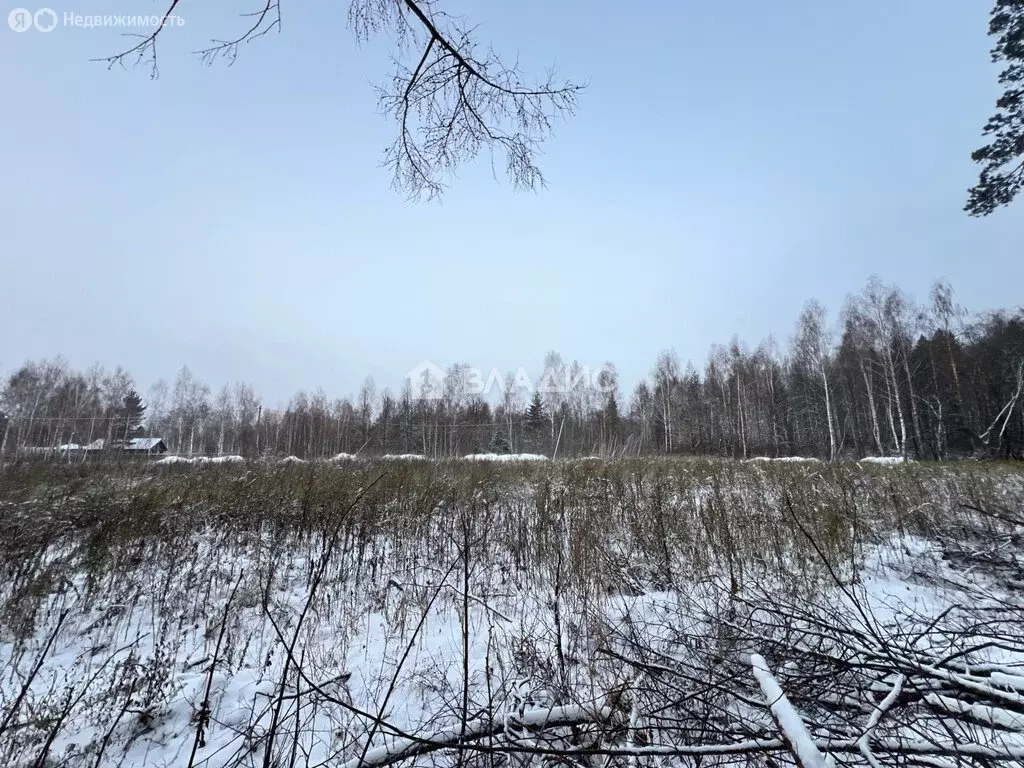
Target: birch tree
x,y
158,395
552,388
811,347
876,311
857,336
666,378
513,400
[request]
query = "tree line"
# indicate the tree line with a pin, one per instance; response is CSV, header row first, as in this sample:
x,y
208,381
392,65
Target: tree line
x,y
889,377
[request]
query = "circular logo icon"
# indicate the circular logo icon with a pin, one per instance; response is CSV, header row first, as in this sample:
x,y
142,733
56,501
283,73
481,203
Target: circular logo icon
x,y
45,19
20,19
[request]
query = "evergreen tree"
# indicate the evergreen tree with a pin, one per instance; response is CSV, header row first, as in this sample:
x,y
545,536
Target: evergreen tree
x,y
611,414
498,443
1002,173
535,416
133,412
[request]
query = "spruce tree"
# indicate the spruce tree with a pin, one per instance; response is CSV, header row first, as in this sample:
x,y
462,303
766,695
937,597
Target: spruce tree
x,y
1002,159
535,416
133,412
499,443
611,414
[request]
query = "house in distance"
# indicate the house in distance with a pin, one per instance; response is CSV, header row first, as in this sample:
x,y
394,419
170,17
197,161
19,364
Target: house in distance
x,y
145,445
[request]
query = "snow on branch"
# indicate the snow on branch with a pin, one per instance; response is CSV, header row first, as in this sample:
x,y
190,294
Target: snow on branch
x,y
788,719
983,714
550,717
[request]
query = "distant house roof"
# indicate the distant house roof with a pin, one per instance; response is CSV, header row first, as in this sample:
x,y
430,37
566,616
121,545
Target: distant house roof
x,y
144,443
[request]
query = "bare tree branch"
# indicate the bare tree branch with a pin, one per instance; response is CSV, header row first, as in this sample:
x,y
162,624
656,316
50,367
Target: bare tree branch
x,y
449,107
229,48
145,47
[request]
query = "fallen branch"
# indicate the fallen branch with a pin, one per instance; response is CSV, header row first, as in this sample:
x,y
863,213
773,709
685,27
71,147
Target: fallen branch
x,y
458,736
786,717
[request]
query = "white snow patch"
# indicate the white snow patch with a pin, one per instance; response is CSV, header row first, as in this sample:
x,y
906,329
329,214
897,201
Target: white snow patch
x,y
174,460
787,459
231,459
344,457
505,457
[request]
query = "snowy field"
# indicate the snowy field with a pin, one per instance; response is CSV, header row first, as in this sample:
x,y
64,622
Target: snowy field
x,y
512,613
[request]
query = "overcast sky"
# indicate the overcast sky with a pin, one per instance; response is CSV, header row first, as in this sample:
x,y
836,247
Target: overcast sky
x,y
728,162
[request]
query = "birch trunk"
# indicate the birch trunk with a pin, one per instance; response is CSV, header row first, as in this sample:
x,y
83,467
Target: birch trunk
x,y
869,387
828,414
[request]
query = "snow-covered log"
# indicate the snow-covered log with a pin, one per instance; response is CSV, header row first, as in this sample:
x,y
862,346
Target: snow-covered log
x,y
788,719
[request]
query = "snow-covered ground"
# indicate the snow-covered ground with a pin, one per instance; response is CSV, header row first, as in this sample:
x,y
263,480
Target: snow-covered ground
x,y
785,459
200,460
501,457
130,676
883,460
213,649
505,457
